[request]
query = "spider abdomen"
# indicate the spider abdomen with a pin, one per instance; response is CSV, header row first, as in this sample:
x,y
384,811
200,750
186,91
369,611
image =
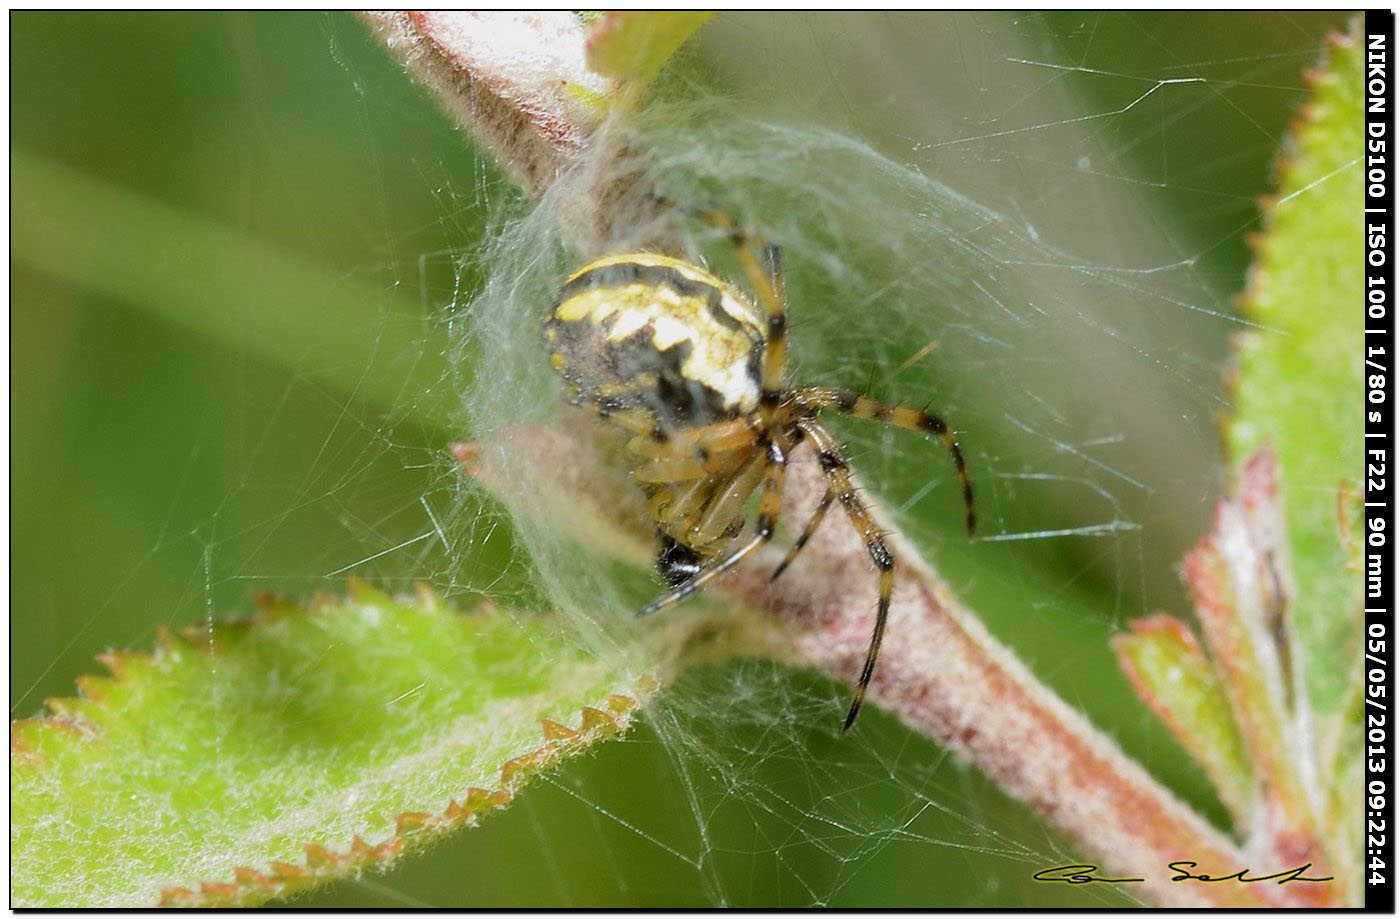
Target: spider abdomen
x,y
653,333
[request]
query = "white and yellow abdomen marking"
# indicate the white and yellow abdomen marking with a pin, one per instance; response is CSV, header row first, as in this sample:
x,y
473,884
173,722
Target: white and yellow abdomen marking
x,y
652,332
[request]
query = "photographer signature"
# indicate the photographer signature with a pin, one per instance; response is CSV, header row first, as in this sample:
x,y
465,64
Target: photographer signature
x,y
1084,874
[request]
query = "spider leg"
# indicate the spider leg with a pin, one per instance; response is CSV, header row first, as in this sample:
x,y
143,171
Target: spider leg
x,y
812,523
769,506
718,450
762,262
900,416
838,474
703,442
677,468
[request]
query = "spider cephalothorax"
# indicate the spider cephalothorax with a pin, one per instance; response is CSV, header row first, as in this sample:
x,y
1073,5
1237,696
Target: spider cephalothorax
x,y
686,363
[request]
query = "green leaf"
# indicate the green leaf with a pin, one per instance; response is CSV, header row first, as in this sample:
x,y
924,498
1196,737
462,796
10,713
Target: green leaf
x,y
1171,674
243,762
632,46
1299,372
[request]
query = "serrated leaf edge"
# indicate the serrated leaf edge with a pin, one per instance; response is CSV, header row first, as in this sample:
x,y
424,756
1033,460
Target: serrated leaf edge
x,y
412,829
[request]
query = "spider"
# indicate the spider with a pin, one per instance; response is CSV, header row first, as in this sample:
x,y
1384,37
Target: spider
x,y
685,362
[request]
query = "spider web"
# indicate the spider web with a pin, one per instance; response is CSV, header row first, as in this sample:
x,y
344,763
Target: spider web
x,y
1033,223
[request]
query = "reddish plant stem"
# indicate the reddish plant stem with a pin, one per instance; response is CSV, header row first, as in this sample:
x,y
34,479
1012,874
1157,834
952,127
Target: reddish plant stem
x,y
1238,580
512,79
943,674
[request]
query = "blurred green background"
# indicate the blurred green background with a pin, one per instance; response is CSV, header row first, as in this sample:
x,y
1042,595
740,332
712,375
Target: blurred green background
x,y
234,237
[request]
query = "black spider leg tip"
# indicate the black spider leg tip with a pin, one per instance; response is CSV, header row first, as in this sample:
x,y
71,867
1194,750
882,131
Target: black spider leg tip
x,y
778,571
650,609
859,700
801,542
862,685
970,516
681,592
969,502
